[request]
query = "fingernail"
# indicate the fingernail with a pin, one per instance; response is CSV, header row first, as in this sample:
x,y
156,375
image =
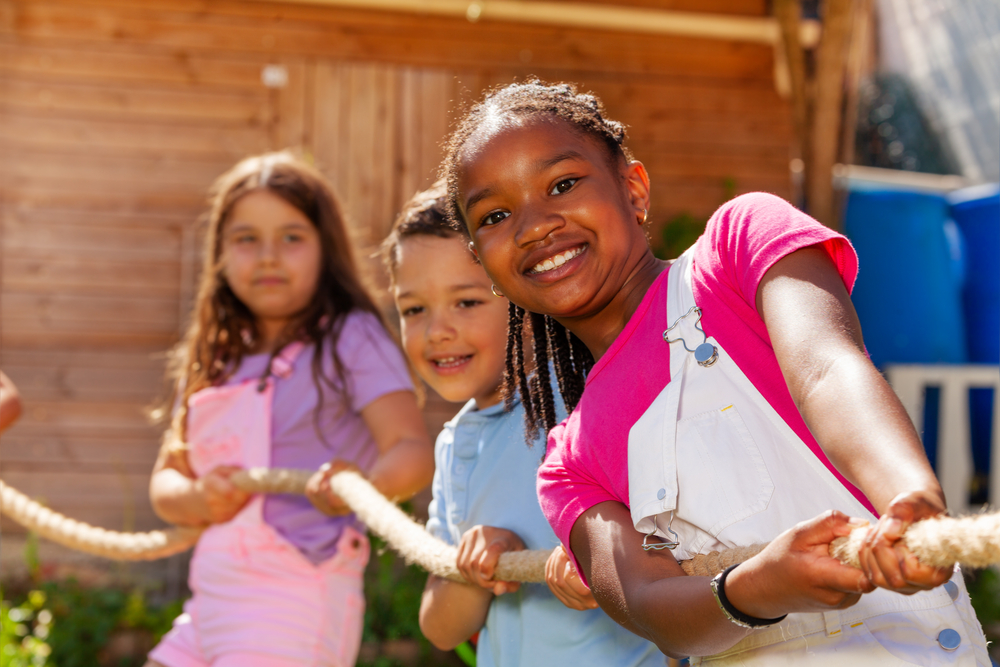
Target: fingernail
x,y
858,522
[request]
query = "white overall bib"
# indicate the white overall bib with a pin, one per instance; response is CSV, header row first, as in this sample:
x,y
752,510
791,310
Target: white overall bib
x,y
254,592
714,461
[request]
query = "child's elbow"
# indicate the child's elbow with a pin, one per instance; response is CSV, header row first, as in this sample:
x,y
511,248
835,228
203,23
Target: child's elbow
x,y
436,632
10,410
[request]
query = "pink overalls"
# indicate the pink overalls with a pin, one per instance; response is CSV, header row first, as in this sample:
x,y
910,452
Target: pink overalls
x,y
258,602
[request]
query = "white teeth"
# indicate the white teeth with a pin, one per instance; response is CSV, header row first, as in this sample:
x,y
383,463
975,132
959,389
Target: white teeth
x,y
448,362
558,260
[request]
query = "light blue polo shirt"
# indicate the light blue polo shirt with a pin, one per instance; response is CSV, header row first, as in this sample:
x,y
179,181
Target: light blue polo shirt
x,y
485,475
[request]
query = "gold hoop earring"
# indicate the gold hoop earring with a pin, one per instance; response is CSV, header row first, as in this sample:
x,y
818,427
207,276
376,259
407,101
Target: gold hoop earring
x,y
493,288
645,215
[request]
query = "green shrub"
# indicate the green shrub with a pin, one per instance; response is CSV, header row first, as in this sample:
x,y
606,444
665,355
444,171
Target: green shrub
x,y
392,602
984,590
64,624
24,630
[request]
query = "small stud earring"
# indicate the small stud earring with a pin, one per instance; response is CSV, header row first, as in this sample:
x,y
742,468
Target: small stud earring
x,y
493,288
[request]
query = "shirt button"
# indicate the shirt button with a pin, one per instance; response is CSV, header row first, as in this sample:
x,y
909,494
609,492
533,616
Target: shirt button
x,y
948,639
952,589
661,494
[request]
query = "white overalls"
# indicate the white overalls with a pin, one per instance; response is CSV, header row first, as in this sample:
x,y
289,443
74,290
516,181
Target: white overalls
x,y
716,463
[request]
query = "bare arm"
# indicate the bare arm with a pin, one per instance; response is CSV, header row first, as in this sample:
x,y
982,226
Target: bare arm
x,y
10,402
405,463
180,498
451,612
406,454
648,593
850,408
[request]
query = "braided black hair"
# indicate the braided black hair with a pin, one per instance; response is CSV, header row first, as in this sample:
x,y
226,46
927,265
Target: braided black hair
x,y
570,358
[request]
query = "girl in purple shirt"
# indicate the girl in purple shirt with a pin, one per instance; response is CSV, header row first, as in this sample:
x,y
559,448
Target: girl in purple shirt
x,y
286,363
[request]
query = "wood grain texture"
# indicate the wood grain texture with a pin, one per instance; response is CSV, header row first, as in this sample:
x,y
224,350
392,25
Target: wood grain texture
x,y
118,116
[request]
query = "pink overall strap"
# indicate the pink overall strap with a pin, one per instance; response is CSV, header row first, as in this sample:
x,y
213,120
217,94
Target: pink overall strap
x,y
282,365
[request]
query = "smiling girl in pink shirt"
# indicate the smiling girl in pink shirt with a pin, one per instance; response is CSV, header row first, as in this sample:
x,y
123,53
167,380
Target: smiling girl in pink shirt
x,y
721,400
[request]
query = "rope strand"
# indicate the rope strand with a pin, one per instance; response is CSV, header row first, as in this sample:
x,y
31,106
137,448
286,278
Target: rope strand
x,y
973,541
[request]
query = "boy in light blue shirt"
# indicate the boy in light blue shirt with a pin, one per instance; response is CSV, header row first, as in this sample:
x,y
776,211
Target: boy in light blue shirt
x,y
454,328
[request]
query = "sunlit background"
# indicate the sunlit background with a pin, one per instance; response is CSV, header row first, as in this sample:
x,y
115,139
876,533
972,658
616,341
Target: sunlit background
x,y
879,117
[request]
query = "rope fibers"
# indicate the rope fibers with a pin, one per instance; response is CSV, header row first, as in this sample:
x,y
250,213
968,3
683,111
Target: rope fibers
x,y
973,541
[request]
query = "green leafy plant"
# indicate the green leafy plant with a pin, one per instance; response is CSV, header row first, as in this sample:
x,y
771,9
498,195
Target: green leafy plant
x,y
24,631
984,591
681,231
65,624
392,593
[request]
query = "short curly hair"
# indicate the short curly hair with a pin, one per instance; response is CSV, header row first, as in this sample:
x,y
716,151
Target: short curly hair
x,y
423,215
550,341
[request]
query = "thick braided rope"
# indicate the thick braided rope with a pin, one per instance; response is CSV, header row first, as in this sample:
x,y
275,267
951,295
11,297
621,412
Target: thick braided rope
x,y
973,541
89,539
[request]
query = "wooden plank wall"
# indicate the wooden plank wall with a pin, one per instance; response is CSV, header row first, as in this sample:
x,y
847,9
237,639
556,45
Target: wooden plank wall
x,y
115,116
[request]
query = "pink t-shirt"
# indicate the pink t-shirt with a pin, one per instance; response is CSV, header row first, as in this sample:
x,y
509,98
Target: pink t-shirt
x,y
587,456
301,438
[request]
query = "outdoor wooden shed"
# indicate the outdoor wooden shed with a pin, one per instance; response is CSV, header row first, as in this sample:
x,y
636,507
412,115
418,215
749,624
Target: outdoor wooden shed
x,y
116,115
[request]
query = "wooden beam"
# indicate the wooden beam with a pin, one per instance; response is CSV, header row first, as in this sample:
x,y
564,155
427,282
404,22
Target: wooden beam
x,y
826,115
759,30
789,15
857,67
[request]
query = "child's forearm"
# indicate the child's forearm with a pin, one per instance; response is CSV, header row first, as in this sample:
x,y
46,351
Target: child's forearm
x,y
176,498
865,431
403,470
451,612
648,592
10,402
848,406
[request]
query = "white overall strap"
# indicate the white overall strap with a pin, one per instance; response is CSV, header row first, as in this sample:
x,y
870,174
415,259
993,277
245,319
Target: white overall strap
x,y
680,297
652,482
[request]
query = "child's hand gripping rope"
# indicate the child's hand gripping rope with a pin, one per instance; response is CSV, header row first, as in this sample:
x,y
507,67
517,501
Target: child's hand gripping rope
x,y
973,541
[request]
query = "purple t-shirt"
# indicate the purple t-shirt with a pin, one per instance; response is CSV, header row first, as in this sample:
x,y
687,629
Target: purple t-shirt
x,y
373,367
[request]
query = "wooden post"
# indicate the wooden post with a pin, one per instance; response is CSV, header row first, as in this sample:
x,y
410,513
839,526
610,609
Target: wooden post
x,y
789,18
858,63
825,130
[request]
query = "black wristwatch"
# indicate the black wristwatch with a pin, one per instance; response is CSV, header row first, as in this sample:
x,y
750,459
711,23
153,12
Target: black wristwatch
x,y
718,585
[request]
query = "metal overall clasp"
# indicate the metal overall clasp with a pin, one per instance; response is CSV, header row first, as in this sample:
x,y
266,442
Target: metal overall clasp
x,y
660,546
705,354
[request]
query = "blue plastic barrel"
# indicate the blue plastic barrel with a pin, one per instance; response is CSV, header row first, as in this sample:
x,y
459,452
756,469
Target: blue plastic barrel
x,y
909,289
977,213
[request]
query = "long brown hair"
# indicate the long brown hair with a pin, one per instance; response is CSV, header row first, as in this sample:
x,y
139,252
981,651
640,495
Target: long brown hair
x,y
222,328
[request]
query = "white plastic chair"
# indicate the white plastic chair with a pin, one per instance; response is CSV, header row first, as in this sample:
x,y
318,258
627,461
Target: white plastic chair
x,y
954,451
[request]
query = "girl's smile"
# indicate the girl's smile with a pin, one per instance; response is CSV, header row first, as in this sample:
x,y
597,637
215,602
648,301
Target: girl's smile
x,y
557,260
557,222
